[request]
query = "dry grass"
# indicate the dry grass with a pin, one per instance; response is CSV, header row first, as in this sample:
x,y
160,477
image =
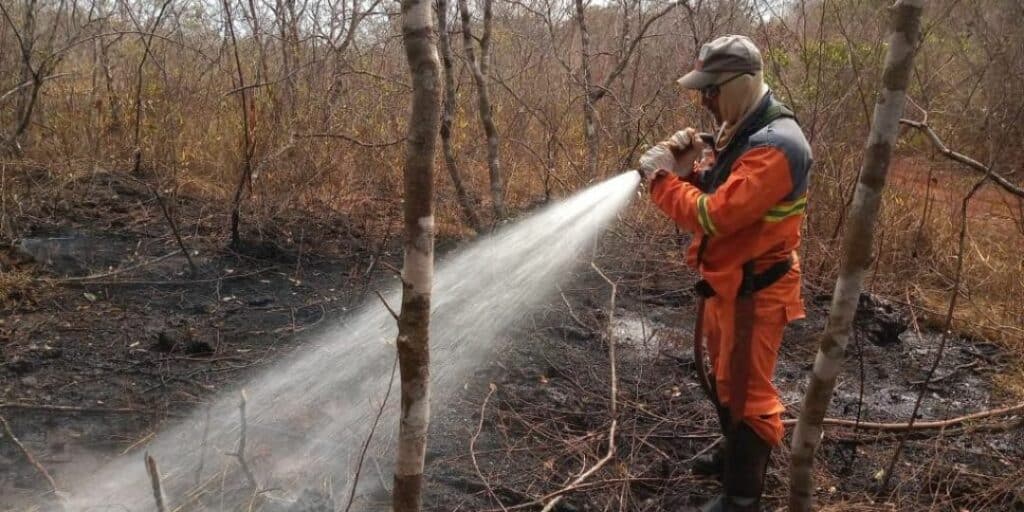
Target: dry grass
x,y
917,244
15,287
191,135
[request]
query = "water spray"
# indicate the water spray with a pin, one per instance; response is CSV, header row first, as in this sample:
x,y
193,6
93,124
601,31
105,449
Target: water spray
x,y
309,414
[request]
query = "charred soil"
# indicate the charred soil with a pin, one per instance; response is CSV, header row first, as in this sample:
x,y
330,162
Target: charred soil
x,y
106,333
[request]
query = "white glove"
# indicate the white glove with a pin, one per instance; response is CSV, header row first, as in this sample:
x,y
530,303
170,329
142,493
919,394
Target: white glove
x,y
654,159
683,138
686,145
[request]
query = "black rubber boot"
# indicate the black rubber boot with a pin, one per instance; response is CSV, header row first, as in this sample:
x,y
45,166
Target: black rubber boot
x,y
712,464
746,461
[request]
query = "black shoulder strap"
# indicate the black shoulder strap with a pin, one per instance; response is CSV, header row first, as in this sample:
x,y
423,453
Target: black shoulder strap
x,y
774,111
720,172
718,175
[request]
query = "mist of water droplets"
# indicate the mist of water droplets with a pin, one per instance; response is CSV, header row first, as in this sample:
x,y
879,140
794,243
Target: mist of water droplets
x,y
308,415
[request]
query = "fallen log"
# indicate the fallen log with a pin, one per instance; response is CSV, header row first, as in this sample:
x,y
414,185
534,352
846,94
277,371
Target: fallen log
x,y
918,425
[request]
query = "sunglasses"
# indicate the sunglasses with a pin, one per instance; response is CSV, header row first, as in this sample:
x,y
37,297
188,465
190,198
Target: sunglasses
x,y
712,91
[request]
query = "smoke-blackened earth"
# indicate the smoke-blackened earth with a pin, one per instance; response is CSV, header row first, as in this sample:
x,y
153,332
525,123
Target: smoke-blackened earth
x,y
91,369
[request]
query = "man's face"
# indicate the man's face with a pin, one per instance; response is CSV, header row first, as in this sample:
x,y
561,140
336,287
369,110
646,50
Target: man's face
x,y
709,99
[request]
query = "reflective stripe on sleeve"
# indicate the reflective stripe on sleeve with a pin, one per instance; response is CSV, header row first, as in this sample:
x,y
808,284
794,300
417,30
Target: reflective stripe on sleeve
x,y
783,211
703,217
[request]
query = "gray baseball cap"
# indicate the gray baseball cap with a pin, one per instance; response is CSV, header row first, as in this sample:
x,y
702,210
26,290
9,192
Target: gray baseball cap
x,y
722,58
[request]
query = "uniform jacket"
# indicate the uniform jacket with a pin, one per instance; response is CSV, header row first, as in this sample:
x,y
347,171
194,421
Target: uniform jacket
x,y
748,205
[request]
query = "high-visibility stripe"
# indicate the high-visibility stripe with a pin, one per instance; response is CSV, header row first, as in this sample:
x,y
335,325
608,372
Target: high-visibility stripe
x,y
785,210
703,216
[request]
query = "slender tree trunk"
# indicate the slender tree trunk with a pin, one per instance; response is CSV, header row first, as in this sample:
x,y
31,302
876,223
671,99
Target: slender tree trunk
x,y
589,110
247,147
484,102
147,41
114,125
26,100
25,116
27,96
263,73
286,57
447,115
417,273
857,243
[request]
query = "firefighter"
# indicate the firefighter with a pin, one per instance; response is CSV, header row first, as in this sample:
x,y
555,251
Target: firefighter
x,y
742,193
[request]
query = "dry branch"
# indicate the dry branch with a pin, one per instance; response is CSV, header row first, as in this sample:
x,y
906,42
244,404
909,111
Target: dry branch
x,y
572,314
120,270
27,83
174,230
70,408
386,305
202,448
170,222
962,158
247,145
351,139
373,428
921,425
154,480
147,42
472,449
240,453
28,455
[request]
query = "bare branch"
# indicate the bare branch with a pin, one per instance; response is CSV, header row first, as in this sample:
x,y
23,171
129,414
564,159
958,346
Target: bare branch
x,y
920,425
30,82
600,92
472,448
373,428
353,140
154,480
240,452
28,455
147,42
962,158
120,270
386,305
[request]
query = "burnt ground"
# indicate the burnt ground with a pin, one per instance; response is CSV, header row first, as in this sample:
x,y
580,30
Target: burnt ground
x,y
550,412
96,353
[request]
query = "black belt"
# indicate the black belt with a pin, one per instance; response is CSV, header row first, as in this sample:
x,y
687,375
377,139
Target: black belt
x,y
752,283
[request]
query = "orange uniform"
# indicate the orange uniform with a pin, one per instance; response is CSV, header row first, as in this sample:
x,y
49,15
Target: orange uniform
x,y
748,206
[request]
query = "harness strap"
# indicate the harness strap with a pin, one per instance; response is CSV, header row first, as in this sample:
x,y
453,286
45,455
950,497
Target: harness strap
x,y
739,359
752,283
705,380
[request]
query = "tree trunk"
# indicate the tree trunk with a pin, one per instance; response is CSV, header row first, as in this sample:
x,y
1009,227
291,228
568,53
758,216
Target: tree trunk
x,y
25,116
147,42
263,71
904,35
414,320
245,177
484,101
589,111
27,97
286,64
447,116
114,124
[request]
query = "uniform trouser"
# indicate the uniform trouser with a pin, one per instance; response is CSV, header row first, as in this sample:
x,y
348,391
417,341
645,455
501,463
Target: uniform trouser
x,y
763,408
